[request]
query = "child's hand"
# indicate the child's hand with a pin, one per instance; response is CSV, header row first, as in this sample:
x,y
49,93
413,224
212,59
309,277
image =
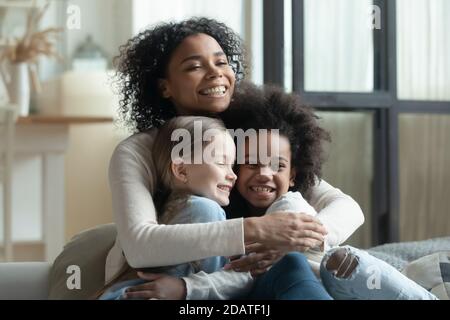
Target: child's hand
x,y
258,260
160,286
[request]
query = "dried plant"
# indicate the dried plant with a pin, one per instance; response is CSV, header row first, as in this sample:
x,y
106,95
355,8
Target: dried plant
x,y
33,44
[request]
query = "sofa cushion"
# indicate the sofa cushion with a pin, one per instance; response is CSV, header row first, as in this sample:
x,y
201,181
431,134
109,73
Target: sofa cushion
x,y
84,255
432,272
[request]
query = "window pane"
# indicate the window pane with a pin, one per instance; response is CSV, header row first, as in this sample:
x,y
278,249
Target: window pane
x,y
350,162
338,45
423,51
424,158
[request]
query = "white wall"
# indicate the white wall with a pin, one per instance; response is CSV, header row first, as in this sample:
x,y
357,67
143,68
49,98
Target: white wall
x,y
108,21
88,201
90,146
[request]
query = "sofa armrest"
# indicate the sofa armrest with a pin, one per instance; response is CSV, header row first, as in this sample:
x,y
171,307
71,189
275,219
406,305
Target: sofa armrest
x,y
24,280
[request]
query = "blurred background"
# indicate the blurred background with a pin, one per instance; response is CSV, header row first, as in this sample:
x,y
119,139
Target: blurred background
x,y
378,73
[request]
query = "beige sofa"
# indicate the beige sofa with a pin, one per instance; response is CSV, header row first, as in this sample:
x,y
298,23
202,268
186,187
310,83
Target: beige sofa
x,y
24,280
45,280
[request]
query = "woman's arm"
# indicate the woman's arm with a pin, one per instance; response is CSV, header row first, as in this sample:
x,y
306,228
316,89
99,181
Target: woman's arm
x,y
340,214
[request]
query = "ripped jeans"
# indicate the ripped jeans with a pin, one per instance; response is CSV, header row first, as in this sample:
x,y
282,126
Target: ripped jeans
x,y
371,279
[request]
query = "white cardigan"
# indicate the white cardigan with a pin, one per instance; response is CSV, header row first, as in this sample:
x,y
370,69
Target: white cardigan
x,y
145,243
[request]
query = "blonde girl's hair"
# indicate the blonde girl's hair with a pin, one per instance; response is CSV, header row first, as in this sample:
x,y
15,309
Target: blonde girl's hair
x,y
168,202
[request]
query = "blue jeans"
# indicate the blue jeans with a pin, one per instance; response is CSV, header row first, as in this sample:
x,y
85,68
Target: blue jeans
x,y
372,279
291,278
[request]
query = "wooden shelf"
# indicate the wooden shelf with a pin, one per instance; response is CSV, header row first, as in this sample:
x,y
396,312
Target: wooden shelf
x,y
44,119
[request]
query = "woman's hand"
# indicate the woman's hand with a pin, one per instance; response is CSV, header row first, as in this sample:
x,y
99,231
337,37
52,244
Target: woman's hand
x,y
257,260
160,286
285,231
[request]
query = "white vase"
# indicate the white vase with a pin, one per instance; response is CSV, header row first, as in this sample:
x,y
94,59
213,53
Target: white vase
x,y
19,87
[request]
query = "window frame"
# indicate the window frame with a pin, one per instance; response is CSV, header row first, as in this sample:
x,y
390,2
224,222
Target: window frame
x,y
382,101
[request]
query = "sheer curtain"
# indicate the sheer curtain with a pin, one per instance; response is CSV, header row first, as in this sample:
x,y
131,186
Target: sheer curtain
x,y
339,58
146,12
423,49
423,66
349,164
243,16
338,45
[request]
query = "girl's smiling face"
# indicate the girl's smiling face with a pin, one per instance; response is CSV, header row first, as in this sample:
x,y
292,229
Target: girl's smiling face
x,y
214,178
260,185
199,79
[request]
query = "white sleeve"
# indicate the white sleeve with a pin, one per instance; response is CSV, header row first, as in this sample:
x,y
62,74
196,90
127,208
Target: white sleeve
x,y
219,285
292,202
144,242
340,214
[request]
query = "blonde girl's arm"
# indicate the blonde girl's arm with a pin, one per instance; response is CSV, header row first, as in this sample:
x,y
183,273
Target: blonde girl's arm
x,y
219,285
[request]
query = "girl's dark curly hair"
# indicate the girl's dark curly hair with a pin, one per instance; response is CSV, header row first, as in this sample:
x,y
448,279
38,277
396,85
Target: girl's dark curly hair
x,y
269,107
144,59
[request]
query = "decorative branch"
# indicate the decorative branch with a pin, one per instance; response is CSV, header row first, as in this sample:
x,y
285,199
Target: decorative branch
x,y
33,44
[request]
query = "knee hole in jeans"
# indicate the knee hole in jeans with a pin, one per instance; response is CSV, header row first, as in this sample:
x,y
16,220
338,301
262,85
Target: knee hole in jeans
x,y
342,263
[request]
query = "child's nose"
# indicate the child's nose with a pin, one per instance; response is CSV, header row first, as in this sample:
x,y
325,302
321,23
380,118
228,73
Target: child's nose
x,y
232,176
265,171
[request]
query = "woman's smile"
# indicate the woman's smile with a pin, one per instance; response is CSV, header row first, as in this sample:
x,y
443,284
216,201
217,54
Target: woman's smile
x,y
214,92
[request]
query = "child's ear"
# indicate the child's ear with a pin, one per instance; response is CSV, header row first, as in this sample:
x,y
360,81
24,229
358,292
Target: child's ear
x,y
179,170
292,177
164,88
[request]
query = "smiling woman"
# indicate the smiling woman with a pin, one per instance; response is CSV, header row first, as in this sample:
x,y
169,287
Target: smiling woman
x,y
174,68
199,78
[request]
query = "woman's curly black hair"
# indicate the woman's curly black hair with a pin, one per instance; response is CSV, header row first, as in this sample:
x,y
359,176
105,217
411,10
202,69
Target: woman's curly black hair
x,y
269,107
144,59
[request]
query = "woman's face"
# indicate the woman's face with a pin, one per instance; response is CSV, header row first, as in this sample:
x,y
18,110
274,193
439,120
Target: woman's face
x,y
214,178
261,184
199,79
